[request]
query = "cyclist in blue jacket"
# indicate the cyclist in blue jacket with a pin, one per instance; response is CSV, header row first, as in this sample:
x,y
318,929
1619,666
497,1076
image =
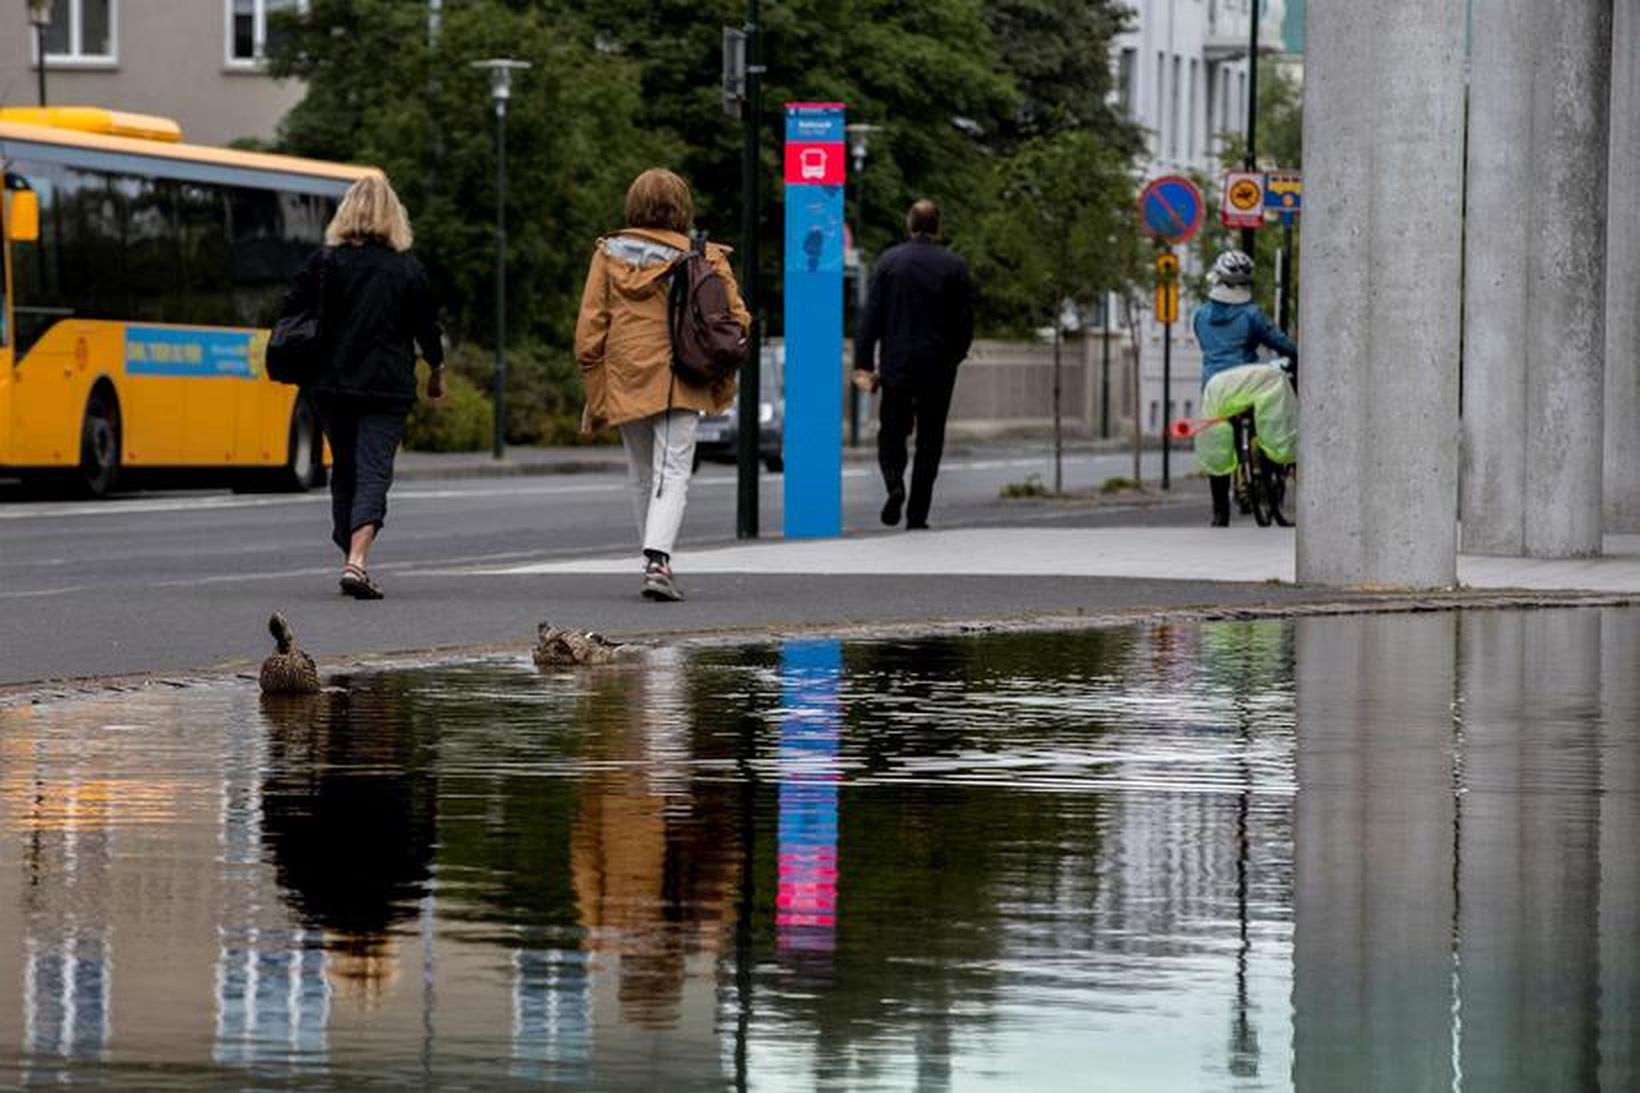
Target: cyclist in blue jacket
x,y
1230,328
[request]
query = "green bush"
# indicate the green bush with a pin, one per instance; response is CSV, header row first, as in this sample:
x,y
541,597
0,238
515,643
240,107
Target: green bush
x,y
544,394
462,423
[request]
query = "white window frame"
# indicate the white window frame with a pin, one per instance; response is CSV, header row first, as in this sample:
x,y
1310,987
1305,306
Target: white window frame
x,y
259,35
76,57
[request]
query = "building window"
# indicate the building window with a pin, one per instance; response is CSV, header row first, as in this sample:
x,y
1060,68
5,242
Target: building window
x,y
248,27
1127,81
1161,100
81,30
1190,112
1173,122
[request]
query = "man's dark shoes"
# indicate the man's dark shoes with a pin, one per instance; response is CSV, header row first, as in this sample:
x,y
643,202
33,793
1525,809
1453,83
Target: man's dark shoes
x,y
892,507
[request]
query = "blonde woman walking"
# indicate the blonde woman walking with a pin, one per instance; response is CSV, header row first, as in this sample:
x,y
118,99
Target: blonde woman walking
x,y
377,308
623,343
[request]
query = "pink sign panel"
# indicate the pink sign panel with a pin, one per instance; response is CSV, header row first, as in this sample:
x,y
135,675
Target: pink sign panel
x,y
814,164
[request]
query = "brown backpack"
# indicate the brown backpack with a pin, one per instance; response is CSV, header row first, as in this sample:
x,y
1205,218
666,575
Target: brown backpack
x,y
708,343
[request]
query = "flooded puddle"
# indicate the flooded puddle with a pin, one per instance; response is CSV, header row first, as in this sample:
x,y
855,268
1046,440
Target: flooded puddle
x,y
1389,852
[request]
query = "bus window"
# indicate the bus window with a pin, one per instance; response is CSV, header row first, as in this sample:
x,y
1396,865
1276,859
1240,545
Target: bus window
x,y
150,248
35,300
202,220
5,265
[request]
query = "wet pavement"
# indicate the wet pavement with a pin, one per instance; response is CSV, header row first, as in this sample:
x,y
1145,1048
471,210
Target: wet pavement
x,y
1397,852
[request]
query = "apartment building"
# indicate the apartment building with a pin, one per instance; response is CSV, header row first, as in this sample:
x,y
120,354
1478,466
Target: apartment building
x,y
198,61
1182,73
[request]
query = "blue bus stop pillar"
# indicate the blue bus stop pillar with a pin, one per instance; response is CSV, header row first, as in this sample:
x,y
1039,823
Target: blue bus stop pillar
x,y
813,444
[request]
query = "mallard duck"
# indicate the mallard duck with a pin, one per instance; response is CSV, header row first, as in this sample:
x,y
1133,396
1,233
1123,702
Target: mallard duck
x,y
290,671
556,647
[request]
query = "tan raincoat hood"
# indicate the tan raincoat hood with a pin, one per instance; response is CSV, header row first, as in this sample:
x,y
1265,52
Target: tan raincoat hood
x,y
621,338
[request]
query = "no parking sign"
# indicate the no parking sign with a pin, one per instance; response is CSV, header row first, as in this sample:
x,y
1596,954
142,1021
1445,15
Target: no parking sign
x,y
1170,208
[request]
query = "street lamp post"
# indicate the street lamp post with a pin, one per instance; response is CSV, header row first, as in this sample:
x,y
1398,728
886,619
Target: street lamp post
x,y
859,140
39,14
500,70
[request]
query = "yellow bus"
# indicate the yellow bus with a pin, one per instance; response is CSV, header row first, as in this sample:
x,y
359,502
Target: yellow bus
x,y
140,277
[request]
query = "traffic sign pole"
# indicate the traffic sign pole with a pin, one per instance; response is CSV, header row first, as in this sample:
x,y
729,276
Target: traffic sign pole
x,y
1170,208
1167,403
1167,313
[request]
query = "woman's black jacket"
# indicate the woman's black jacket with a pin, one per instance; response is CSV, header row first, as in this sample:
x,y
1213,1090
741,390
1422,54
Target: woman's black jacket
x,y
377,302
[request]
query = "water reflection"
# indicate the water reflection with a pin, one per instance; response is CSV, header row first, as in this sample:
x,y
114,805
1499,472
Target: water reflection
x,y
1390,852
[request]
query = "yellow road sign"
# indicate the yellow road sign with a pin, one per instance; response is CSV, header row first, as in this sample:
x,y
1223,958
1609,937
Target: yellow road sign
x,y
1243,205
1167,288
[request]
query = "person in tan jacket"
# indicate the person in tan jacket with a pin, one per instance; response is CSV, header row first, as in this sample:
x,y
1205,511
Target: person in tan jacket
x,y
624,347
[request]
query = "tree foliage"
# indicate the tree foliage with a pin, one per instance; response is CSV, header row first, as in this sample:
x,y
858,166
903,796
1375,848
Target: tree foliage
x,y
972,99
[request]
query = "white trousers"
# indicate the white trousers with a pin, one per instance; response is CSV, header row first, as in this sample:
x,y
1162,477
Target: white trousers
x,y
660,456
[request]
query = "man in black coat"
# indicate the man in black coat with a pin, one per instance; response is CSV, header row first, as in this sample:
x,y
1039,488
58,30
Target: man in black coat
x,y
920,307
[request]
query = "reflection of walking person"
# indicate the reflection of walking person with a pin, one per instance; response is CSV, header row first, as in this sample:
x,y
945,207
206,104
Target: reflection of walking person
x,y
378,307
814,244
920,307
624,344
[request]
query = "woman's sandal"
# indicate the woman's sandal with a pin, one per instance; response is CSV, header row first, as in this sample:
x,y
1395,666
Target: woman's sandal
x,y
357,583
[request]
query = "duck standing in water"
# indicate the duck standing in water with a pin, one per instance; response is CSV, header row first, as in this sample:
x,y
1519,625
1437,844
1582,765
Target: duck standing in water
x,y
558,648
290,671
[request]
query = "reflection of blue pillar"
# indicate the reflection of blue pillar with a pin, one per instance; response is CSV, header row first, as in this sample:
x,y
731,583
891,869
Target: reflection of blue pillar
x,y
814,320
810,731
552,1011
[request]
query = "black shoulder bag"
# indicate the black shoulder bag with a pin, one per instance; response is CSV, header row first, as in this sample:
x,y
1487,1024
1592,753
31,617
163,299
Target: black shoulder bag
x,y
298,346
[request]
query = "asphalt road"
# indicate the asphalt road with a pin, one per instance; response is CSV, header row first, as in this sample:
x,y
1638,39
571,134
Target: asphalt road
x,y
175,581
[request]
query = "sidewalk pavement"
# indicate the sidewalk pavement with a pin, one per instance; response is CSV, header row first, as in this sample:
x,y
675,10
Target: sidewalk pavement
x,y
867,585
1195,554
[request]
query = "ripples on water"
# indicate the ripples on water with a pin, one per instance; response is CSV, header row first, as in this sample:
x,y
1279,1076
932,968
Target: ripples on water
x,y
1396,852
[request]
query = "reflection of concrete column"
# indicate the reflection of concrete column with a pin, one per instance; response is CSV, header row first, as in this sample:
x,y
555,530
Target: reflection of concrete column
x,y
1622,480
1529,880
1380,294
1620,847
1373,854
1535,295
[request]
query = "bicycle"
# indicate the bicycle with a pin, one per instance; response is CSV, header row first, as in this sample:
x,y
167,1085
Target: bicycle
x,y
1258,484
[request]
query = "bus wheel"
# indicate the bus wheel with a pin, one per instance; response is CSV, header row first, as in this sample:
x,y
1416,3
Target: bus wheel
x,y
305,463
99,446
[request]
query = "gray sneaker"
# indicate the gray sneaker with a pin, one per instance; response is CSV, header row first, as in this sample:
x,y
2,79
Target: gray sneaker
x,y
658,584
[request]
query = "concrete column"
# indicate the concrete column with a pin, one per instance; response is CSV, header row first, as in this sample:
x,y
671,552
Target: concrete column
x,y
1535,299
1373,854
1383,148
1622,483
1497,254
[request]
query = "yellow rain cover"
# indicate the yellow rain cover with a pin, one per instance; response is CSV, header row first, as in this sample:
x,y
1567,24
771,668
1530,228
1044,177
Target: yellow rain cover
x,y
1262,388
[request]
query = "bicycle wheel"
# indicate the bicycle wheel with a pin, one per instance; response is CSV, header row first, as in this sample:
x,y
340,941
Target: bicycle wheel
x,y
1260,494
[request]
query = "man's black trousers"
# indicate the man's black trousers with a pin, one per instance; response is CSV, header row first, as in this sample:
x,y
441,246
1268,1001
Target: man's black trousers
x,y
921,405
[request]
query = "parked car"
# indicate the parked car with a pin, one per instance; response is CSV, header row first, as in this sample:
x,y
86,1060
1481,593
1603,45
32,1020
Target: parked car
x,y
718,436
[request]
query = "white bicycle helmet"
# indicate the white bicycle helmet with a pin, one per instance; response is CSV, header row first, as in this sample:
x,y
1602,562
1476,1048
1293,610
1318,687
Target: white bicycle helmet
x,y
1233,267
